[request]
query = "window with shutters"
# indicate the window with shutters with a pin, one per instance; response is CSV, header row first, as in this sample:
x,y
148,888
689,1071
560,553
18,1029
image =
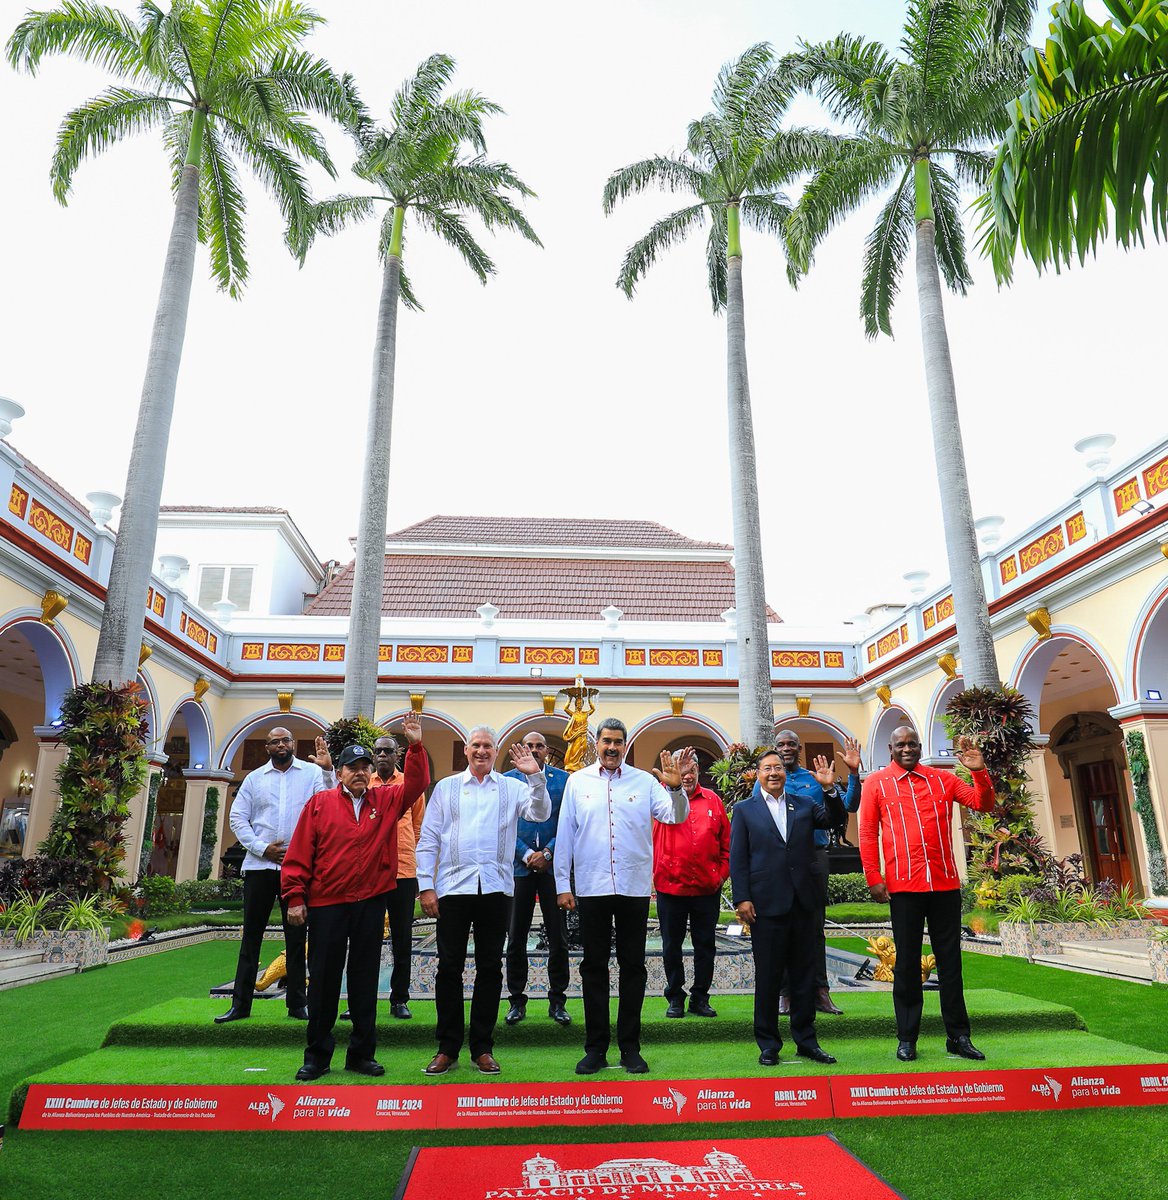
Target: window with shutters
x,y
226,583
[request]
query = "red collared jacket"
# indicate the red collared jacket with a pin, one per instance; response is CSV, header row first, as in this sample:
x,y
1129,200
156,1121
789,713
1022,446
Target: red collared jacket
x,y
337,858
911,813
693,858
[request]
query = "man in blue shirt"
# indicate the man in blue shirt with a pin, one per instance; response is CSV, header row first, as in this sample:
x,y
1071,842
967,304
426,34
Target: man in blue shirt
x,y
535,844
815,787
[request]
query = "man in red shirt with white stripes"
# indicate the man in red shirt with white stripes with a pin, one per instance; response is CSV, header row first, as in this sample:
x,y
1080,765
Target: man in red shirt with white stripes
x,y
908,808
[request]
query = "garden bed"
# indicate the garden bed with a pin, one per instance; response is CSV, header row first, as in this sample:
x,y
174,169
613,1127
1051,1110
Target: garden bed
x,y
1025,939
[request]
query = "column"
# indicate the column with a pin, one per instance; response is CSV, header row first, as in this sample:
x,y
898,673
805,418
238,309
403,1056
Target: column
x,y
1142,719
135,827
51,753
1040,792
194,808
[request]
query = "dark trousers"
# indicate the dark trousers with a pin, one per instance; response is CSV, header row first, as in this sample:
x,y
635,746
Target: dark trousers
x,y
528,888
701,914
819,875
401,938
779,943
260,891
942,910
335,930
598,916
487,916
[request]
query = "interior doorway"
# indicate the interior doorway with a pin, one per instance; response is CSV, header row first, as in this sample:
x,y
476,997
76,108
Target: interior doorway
x,y
1101,813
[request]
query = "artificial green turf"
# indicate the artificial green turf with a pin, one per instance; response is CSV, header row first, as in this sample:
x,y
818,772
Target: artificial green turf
x,y
187,1022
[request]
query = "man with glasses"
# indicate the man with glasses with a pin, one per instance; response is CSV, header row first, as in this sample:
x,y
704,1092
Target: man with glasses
x,y
535,843
265,812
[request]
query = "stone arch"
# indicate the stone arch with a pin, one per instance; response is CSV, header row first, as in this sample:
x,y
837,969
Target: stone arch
x,y
198,726
889,719
1147,656
55,655
792,720
534,719
1038,656
667,724
274,717
150,694
459,730
935,741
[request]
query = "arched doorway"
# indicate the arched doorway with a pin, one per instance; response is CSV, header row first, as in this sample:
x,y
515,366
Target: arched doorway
x,y
893,717
187,746
667,732
552,728
935,740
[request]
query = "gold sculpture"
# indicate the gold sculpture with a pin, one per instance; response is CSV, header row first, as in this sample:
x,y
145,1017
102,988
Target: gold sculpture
x,y
576,730
928,966
885,950
273,973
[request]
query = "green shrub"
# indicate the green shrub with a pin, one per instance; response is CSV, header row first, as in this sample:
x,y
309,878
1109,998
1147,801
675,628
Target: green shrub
x,y
207,891
157,894
850,888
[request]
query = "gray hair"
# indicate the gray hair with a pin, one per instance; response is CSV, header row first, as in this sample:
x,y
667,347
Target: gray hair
x,y
482,729
613,723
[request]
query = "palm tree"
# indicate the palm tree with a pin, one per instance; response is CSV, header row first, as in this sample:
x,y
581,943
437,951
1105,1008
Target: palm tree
x,y
420,165
1086,138
919,123
736,159
227,83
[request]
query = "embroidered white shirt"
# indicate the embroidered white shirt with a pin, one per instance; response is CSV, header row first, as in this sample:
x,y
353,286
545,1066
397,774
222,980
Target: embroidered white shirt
x,y
467,844
606,830
269,804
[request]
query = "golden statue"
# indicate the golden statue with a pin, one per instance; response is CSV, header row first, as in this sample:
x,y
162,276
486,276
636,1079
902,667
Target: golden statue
x,y
273,973
576,731
928,966
885,950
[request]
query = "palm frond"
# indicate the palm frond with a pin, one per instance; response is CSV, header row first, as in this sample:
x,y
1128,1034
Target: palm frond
x,y
662,235
885,251
452,229
221,206
768,214
971,167
326,217
950,231
842,73
272,165
717,258
94,33
668,174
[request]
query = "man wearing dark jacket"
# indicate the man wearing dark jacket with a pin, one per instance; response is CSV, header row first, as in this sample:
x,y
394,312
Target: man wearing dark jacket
x,y
776,893
340,866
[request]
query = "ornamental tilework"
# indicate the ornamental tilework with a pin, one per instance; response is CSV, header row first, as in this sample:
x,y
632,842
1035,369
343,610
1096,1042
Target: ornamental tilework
x,y
673,658
1042,548
795,659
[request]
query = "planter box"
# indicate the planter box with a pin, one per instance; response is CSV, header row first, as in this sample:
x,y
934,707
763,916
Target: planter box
x,y
74,946
1045,937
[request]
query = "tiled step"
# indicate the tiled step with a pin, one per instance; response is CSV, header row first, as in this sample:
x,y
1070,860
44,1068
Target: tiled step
x,y
1134,967
1120,951
18,958
32,972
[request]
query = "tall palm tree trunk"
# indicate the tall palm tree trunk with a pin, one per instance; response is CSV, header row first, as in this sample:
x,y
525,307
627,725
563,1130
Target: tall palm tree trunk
x,y
979,664
362,653
756,709
120,639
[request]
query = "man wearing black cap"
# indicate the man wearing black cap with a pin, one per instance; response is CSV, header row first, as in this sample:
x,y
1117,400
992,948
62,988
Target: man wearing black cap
x,y
340,866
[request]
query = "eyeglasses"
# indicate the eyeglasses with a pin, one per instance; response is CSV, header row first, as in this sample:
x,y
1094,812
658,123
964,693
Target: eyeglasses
x,y
279,741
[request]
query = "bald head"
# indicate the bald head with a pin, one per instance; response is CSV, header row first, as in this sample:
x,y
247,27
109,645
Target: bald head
x,y
905,747
281,746
537,744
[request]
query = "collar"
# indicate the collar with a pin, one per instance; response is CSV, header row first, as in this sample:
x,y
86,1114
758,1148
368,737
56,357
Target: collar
x,y
349,795
774,799
899,773
294,765
396,777
605,773
468,777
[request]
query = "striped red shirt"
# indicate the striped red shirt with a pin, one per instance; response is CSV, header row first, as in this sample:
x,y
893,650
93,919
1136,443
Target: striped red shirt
x,y
911,813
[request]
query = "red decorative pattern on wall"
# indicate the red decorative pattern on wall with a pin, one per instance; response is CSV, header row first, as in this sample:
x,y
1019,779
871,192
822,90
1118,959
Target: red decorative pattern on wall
x,y
944,612
1127,495
1042,548
1076,529
872,653
18,501
789,660
293,651
200,634
1156,478
549,656
833,658
463,654
385,653
634,658
711,658
251,651
82,548
589,656
904,635
509,655
334,652
423,654
673,658
888,643
929,617
49,525
159,605
1009,569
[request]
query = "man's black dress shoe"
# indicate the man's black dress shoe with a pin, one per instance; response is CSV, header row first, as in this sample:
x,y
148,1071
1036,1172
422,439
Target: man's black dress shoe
x,y
308,1073
232,1014
298,1014
345,1016
675,1009
701,1007
816,1054
559,1014
364,1066
906,1051
768,1058
515,1014
964,1048
634,1064
400,1011
591,1063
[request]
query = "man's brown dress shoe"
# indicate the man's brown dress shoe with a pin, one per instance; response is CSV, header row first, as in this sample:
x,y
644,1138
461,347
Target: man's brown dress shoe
x,y
439,1064
825,1004
487,1065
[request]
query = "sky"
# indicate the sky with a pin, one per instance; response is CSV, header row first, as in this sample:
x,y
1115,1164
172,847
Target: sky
x,y
547,392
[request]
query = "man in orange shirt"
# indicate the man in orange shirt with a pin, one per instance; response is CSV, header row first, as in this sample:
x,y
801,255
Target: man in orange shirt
x,y
906,810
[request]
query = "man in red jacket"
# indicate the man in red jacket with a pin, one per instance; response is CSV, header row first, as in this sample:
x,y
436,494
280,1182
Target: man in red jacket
x,y
691,861
909,808
340,866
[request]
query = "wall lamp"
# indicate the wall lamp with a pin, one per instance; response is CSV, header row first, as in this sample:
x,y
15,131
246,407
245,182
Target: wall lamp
x,y
1143,507
1153,694
536,672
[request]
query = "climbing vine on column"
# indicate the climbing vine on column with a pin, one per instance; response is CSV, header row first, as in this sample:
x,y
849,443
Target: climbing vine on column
x,y
1137,757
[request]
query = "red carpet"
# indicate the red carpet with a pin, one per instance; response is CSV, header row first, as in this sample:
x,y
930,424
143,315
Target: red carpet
x,y
803,1168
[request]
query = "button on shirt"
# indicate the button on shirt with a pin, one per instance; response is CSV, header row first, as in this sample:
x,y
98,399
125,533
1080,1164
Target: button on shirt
x,y
269,804
606,830
468,834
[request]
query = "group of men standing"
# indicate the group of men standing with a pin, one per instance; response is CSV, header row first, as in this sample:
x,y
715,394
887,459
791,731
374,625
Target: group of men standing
x,y
343,851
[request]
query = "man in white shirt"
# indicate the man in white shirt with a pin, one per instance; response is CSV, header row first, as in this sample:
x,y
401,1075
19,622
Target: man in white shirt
x,y
465,880
263,817
606,835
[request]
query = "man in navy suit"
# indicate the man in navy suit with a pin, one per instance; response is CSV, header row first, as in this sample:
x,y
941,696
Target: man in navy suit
x,y
535,845
776,893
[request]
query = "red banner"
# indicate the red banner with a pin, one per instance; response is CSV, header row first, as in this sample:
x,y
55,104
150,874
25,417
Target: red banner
x,y
616,1102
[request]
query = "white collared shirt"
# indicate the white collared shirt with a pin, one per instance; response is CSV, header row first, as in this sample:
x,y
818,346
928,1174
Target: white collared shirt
x,y
467,844
606,830
357,801
269,804
777,807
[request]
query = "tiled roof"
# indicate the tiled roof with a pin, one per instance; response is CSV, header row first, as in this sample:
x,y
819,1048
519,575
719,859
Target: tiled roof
x,y
48,480
564,589
549,531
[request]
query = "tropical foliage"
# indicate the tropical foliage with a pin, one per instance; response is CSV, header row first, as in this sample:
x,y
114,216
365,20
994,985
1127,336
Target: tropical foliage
x,y
1000,723
1085,156
351,731
210,832
1137,757
735,772
919,127
104,729
737,158
227,85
